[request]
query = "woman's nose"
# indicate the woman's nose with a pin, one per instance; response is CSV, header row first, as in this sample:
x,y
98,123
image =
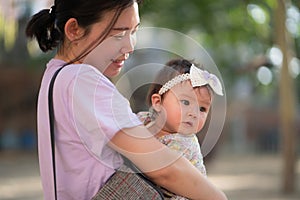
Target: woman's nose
x,y
129,44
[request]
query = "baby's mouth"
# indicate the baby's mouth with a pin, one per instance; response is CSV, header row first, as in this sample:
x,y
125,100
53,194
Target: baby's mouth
x,y
189,123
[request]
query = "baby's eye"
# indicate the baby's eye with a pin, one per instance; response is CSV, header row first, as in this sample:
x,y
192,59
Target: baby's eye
x,y
185,102
202,109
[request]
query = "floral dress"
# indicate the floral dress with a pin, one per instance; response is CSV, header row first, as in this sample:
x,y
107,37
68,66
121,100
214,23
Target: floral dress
x,y
187,145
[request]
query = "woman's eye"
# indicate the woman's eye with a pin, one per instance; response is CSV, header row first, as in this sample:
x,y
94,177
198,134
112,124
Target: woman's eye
x,y
133,32
185,102
120,35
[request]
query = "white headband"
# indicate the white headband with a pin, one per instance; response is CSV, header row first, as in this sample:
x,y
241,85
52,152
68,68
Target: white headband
x,y
198,78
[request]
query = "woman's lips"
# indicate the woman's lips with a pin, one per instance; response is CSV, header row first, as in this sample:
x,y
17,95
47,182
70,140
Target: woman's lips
x,y
119,62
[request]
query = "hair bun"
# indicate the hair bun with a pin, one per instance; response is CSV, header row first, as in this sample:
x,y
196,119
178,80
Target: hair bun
x,y
52,11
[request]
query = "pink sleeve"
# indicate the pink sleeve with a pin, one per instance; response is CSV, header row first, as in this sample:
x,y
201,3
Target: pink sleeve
x,y
99,110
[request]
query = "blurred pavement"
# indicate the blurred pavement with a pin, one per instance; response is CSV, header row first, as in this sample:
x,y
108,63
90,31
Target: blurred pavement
x,y
251,177
241,177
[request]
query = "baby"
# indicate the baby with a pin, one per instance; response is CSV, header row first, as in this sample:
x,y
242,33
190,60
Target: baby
x,y
180,100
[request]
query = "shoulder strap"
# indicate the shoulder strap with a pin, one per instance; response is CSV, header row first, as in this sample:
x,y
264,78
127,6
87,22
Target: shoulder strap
x,y
51,120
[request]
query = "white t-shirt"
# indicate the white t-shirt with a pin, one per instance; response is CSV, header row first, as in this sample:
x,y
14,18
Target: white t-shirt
x,y
88,112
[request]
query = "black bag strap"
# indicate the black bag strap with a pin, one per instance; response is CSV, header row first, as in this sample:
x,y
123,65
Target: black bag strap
x,y
51,121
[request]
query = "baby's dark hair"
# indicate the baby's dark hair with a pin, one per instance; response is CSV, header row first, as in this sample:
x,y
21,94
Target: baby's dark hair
x,y
171,69
47,26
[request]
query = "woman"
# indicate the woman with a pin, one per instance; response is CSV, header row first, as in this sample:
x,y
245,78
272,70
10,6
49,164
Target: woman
x,y
93,122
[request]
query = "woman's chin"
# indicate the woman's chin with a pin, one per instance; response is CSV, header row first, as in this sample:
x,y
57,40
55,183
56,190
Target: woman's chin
x,y
113,71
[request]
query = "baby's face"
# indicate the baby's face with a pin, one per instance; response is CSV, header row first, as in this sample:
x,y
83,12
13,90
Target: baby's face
x,y
186,108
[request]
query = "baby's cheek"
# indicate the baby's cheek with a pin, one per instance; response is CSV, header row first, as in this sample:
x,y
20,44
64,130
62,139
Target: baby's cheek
x,y
201,122
200,126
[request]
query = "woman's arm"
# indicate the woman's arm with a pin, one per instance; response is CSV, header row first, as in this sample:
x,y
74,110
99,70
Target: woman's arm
x,y
164,166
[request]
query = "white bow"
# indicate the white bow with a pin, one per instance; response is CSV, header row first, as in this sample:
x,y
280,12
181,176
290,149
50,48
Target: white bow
x,y
201,77
198,78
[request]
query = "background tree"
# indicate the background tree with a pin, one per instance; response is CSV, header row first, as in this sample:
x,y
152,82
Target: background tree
x,y
287,99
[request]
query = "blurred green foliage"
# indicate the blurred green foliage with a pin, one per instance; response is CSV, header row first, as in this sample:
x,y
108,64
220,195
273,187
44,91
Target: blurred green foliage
x,y
235,33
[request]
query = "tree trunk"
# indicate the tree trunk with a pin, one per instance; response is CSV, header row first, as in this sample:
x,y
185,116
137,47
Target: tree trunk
x,y
287,101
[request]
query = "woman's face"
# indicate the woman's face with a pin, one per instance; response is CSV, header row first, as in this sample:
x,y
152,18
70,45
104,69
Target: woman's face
x,y
110,55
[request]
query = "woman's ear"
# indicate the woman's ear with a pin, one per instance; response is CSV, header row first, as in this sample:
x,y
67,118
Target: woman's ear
x,y
156,102
72,30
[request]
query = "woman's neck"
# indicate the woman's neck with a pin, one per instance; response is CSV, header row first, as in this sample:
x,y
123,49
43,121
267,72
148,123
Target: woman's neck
x,y
66,59
67,53
59,57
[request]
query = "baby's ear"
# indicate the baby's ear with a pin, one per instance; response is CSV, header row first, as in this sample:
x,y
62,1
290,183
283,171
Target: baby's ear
x,y
156,102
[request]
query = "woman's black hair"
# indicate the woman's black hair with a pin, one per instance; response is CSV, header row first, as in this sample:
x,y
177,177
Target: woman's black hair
x,y
47,26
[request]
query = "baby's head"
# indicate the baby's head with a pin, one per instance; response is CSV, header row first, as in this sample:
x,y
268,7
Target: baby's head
x,y
176,67
181,96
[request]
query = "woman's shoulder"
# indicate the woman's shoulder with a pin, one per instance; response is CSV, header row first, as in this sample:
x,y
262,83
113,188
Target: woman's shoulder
x,y
81,69
83,73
